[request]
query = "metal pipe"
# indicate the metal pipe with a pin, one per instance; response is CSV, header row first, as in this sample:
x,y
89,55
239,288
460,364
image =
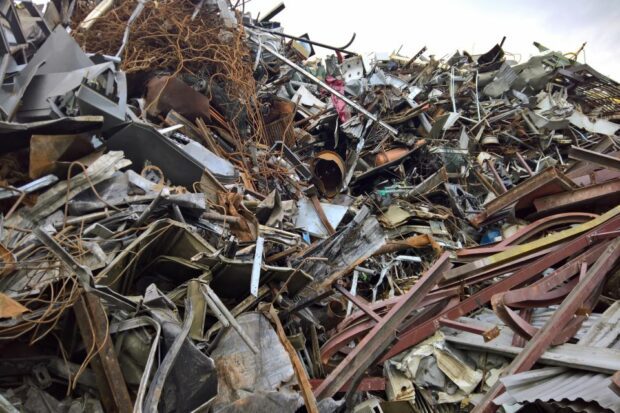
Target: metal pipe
x,y
334,92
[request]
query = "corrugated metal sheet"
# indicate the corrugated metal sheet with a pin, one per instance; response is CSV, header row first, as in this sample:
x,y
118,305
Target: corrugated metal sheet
x,y
559,385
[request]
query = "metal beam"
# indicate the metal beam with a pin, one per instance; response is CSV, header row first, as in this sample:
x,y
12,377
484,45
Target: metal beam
x,y
93,324
560,318
518,192
592,194
600,159
382,334
520,277
367,384
521,250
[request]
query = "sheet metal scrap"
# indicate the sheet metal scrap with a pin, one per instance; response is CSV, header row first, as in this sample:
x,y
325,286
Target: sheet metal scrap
x,y
213,218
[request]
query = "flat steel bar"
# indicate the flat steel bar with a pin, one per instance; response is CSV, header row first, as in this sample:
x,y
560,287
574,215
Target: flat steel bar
x,y
600,159
554,325
256,265
359,302
482,297
382,334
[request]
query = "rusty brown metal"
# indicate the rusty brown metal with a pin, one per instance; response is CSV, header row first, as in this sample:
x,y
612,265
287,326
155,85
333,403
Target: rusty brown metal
x,y
586,195
416,241
8,261
367,384
536,245
359,302
530,231
354,331
593,157
482,297
524,164
300,371
93,324
525,192
319,210
487,334
498,180
382,334
554,325
166,93
389,156
543,293
329,169
517,340
381,307
484,181
615,383
596,177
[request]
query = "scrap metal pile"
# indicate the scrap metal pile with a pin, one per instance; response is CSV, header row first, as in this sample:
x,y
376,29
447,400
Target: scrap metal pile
x,y
198,214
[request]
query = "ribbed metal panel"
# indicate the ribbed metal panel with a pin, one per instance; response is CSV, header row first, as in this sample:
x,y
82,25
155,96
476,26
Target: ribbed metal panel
x,y
560,385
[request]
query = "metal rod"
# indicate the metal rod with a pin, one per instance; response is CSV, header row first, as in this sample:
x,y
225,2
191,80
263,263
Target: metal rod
x,y
301,39
331,90
231,319
382,334
256,266
554,325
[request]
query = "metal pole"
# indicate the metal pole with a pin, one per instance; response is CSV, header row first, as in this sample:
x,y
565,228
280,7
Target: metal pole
x,y
334,92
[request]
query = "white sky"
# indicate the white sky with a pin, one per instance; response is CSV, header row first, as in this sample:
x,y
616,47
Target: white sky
x,y
447,25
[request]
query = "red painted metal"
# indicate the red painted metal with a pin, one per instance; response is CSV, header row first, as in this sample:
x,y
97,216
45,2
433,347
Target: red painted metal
x,y
367,384
487,334
528,232
554,326
383,306
382,334
410,339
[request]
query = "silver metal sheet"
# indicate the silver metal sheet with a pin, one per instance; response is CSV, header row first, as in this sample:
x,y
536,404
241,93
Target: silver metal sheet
x,y
308,219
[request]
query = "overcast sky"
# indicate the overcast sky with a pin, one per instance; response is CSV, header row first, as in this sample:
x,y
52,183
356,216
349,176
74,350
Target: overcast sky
x,y
447,25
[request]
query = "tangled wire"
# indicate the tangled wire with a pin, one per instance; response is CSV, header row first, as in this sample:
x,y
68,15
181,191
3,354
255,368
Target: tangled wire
x,y
165,38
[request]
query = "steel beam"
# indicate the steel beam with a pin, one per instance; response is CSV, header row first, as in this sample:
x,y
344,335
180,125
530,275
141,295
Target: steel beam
x,y
382,334
482,297
520,191
605,161
367,384
93,324
528,232
591,194
560,318
521,250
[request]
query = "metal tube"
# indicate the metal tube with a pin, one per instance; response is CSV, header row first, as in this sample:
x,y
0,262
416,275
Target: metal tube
x,y
334,92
